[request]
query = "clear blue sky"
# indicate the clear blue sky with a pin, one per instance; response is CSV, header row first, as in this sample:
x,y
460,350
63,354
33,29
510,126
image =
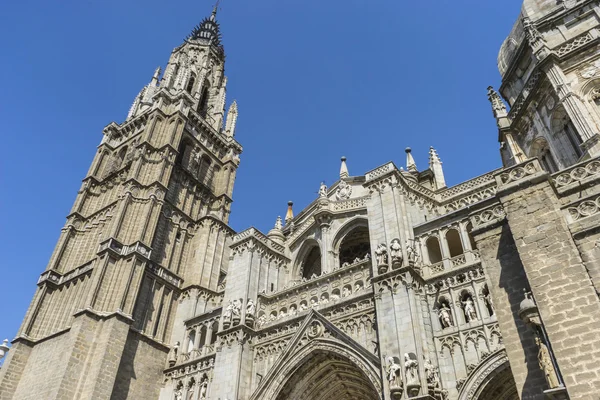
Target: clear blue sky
x,y
314,80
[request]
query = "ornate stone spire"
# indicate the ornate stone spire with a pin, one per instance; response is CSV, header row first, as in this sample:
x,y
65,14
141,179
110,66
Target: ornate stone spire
x,y
344,169
290,213
208,32
155,76
498,106
411,166
534,37
278,223
435,164
232,116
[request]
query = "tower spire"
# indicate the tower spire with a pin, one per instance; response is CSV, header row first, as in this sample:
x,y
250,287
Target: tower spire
x,y
435,165
290,213
411,166
214,11
344,169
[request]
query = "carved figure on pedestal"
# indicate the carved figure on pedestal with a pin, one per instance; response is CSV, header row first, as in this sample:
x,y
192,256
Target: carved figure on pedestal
x,y
236,314
227,314
394,377
173,353
323,190
346,291
261,321
396,253
179,391
411,254
432,375
445,316
546,364
411,366
382,258
489,303
250,310
469,309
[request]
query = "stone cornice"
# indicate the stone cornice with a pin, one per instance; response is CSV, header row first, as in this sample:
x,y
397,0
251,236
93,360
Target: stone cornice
x,y
391,280
488,218
518,176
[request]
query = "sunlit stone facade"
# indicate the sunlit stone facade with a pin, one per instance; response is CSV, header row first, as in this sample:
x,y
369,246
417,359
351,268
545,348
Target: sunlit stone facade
x,y
389,285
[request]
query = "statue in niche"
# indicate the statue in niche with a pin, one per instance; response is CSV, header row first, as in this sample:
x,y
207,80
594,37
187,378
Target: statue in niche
x,y
250,309
282,314
487,298
411,253
173,353
261,321
303,306
546,364
394,374
357,288
410,369
445,316
313,303
293,311
346,292
324,299
203,389
469,309
323,190
396,253
335,297
179,393
382,258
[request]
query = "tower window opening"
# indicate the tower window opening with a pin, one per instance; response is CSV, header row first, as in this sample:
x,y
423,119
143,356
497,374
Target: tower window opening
x,y
454,243
434,250
190,84
203,103
312,264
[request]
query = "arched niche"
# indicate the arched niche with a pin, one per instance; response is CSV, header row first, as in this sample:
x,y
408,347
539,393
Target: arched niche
x,y
564,130
541,149
434,251
352,241
308,260
454,243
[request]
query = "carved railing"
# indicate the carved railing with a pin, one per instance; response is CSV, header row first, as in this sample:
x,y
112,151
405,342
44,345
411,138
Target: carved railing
x,y
58,279
574,44
320,293
577,175
351,204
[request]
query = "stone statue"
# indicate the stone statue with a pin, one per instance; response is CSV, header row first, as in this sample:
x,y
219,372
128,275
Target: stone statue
x,y
313,303
235,310
469,308
396,253
445,316
261,321
410,369
178,394
357,288
394,374
489,303
411,253
323,190
173,353
227,314
324,299
250,309
203,389
303,307
293,311
432,375
335,297
546,364
381,254
345,292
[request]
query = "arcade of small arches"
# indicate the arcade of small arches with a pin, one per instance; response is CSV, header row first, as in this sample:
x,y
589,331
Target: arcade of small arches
x,y
448,247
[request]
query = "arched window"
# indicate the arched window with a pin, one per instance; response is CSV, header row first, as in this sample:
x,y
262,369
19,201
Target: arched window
x,y
541,150
454,243
185,149
204,169
121,157
215,329
434,250
355,245
563,128
191,82
203,103
191,340
311,266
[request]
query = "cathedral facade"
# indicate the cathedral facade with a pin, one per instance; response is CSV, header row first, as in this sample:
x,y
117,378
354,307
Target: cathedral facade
x,y
389,285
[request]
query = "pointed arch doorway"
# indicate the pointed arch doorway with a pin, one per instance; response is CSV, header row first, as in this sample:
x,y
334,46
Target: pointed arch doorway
x,y
326,375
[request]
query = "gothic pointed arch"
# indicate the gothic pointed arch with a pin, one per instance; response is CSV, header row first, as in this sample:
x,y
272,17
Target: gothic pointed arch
x,y
491,379
308,260
351,241
541,149
567,135
321,363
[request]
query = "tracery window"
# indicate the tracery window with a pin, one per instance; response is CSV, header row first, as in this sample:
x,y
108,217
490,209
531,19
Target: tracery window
x,y
311,266
355,245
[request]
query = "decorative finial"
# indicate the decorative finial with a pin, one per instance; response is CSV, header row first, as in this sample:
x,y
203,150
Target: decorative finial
x,y
435,165
278,223
411,166
290,213
232,116
534,37
498,106
214,12
344,169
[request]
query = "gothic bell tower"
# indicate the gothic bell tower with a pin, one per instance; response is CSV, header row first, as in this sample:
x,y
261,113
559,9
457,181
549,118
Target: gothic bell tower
x,y
149,226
